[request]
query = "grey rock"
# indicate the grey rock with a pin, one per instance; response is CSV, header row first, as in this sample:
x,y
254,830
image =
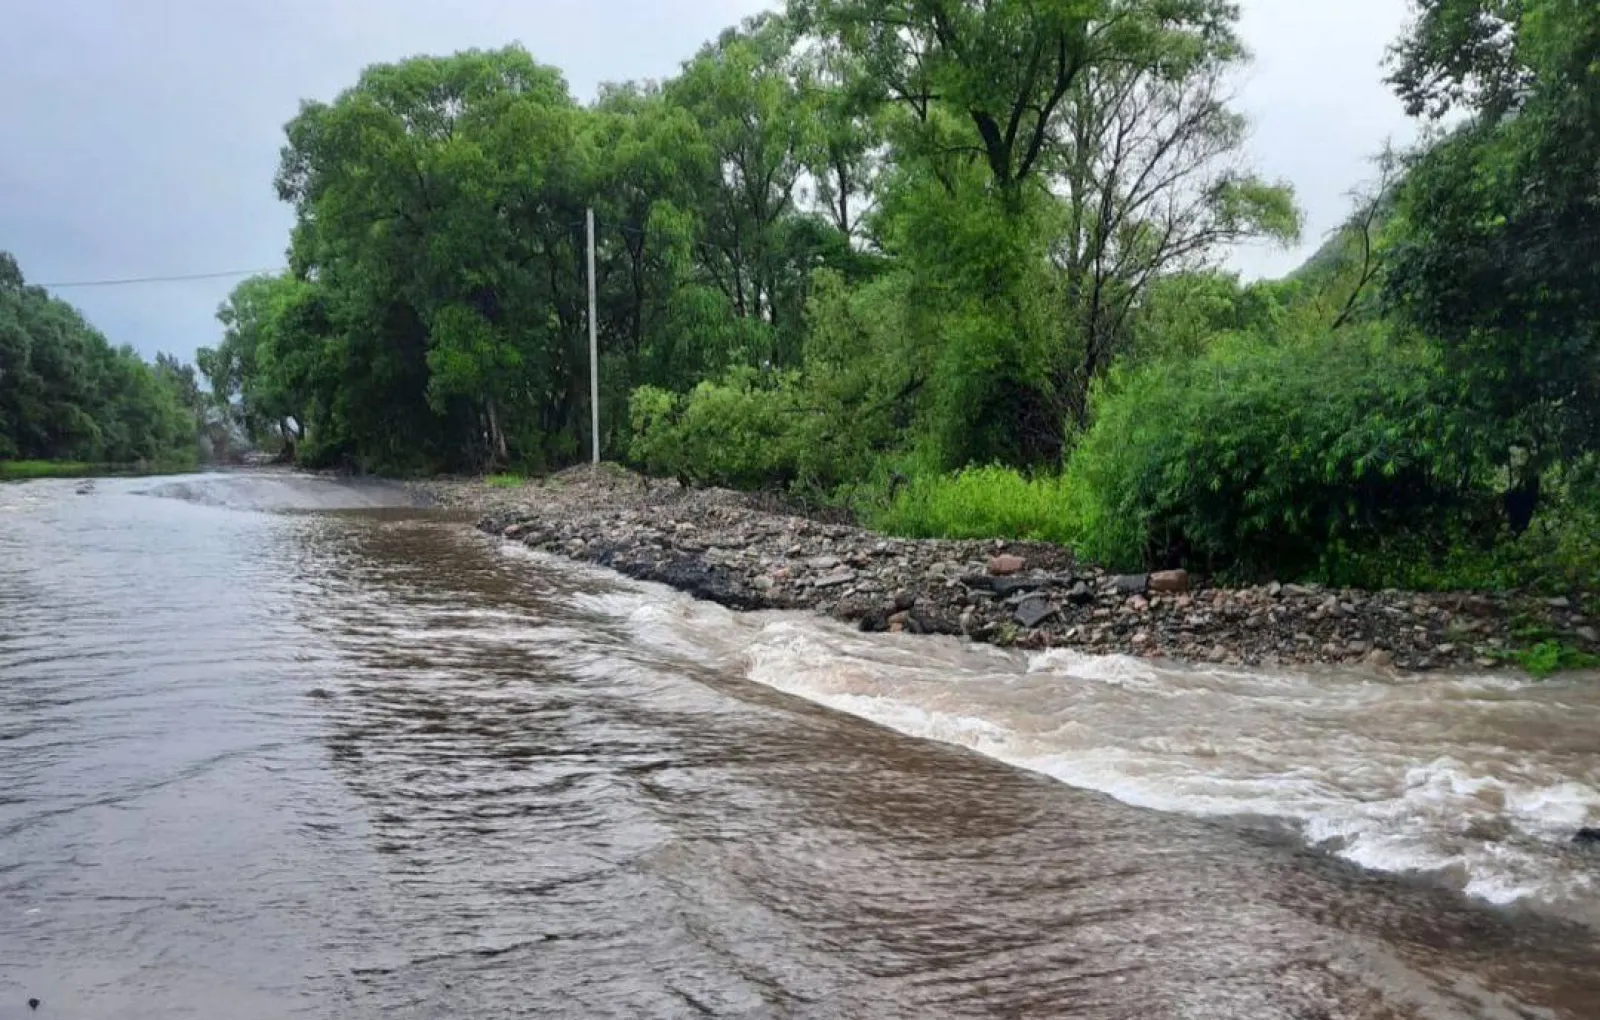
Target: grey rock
x,y
1477,605
1131,584
1081,594
1034,610
844,575
1588,634
1560,602
1006,586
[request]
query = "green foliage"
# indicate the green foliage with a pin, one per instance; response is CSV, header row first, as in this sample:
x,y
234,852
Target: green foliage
x,y
1550,657
738,432
21,470
863,235
1499,226
67,394
1558,554
12,470
1263,458
988,502
505,481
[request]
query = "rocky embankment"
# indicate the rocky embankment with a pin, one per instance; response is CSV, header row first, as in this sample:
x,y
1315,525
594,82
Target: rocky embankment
x,y
747,554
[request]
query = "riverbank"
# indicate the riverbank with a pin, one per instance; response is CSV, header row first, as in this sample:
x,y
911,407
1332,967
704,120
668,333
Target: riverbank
x,y
22,470
748,552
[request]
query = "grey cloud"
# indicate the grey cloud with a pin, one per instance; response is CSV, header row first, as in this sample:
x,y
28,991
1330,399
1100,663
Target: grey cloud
x,y
140,139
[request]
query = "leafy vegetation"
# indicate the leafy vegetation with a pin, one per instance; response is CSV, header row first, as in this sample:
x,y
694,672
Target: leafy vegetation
x,y
67,395
12,470
20,470
955,265
1271,457
1550,657
863,226
987,502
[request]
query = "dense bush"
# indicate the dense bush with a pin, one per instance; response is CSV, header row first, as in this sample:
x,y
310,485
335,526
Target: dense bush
x,y
736,432
1261,458
1558,554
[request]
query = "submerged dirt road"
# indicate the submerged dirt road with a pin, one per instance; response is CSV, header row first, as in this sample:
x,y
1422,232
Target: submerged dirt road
x,y
264,754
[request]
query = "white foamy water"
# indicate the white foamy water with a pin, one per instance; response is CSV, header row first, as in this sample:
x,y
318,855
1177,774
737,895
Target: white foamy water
x,y
1481,781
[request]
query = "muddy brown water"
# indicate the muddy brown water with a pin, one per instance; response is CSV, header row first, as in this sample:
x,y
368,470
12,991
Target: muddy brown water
x,y
279,747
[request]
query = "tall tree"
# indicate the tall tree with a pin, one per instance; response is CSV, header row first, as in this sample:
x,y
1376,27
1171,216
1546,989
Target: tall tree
x,y
1092,136
67,394
439,204
1497,241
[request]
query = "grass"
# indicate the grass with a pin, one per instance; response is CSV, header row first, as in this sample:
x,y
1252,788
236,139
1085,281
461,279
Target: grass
x,y
20,470
991,502
505,481
1549,657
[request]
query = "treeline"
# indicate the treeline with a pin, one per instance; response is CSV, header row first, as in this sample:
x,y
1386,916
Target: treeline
x,y
66,394
971,210
860,248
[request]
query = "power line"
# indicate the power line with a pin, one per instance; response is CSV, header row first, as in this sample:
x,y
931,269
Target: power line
x,y
158,279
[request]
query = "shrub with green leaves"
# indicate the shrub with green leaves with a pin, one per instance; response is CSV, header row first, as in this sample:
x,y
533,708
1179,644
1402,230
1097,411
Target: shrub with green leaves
x,y
737,432
1263,459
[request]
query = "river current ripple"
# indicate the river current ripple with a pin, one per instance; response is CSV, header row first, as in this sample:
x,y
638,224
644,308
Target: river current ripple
x,y
282,747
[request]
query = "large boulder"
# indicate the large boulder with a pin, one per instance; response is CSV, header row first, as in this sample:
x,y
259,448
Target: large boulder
x,y
1170,581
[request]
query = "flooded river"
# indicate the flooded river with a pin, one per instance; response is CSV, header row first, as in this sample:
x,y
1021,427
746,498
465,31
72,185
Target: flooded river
x,y
275,747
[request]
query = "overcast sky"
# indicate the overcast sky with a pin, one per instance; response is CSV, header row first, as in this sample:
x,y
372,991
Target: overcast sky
x,y
140,139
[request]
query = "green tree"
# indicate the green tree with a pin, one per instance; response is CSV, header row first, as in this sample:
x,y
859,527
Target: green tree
x,y
67,394
439,203
1498,231
1083,151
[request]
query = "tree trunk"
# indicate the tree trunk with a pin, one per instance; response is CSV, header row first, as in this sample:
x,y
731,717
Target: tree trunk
x,y
497,437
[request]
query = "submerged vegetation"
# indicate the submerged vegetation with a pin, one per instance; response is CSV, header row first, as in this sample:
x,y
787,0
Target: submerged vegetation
x,y
955,266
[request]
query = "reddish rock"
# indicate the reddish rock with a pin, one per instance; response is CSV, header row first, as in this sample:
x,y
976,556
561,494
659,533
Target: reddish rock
x,y
1006,566
1170,581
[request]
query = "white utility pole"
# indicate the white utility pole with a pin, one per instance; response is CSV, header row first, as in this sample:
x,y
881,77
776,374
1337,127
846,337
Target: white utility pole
x,y
594,350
